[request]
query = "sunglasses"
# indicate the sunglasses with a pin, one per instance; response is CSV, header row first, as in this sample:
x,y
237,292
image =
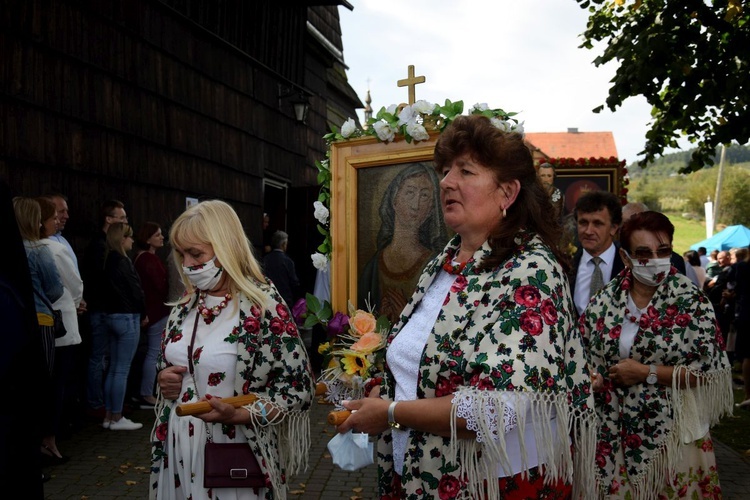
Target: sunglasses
x,y
645,253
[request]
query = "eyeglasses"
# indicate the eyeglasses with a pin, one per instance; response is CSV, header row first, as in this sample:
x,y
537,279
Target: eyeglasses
x,y
645,253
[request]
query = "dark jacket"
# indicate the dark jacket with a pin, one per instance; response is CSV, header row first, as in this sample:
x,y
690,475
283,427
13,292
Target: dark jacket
x,y
92,272
617,266
123,292
279,268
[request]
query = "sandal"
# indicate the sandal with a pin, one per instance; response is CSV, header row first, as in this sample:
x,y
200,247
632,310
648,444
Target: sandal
x,y
49,458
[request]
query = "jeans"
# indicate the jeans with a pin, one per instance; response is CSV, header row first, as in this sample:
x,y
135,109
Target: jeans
x,y
97,360
153,343
124,331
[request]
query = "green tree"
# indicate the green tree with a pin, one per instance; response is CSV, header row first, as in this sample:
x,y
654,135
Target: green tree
x,y
734,204
688,58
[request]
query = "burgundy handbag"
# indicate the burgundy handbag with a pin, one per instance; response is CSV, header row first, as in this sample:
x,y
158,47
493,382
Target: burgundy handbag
x,y
231,465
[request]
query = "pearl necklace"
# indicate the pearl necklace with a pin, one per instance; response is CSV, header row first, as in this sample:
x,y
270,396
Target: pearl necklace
x,y
209,314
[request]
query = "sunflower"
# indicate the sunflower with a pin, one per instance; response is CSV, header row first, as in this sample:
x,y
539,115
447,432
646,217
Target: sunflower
x,y
355,364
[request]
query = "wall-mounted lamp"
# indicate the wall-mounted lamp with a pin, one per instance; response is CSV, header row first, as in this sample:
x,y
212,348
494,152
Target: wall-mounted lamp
x,y
298,98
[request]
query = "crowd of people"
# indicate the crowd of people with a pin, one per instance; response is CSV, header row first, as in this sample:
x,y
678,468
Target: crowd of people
x,y
596,374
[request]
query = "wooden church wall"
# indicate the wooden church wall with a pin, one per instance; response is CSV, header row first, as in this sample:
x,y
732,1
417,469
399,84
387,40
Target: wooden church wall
x,y
135,101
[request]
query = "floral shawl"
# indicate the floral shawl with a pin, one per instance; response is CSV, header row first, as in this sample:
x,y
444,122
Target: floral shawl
x,y
648,424
500,332
273,364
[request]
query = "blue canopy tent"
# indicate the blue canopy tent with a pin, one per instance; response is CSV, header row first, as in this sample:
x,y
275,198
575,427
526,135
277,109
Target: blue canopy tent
x,y
731,237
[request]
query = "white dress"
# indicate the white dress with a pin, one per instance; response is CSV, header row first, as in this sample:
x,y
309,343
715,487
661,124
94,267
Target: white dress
x,y
214,369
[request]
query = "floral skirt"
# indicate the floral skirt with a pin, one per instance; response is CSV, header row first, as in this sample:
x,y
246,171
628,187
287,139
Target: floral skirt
x,y
696,475
518,487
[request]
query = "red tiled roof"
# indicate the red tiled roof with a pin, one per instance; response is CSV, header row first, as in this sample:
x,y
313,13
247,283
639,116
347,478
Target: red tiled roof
x,y
573,144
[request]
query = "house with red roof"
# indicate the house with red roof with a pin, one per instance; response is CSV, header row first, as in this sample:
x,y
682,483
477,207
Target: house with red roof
x,y
571,144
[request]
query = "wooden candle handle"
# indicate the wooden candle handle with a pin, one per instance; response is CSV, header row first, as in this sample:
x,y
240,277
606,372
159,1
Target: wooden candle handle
x,y
204,407
320,389
338,417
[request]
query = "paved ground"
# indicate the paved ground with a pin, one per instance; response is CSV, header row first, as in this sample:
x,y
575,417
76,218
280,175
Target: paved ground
x,y
114,465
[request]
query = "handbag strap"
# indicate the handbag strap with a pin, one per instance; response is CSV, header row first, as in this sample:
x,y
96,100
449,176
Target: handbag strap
x,y
191,369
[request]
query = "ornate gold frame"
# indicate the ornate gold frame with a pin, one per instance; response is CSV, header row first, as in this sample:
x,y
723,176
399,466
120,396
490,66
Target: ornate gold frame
x,y
346,158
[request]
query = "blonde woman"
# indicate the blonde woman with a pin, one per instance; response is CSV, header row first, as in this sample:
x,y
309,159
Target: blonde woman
x,y
124,306
48,288
231,334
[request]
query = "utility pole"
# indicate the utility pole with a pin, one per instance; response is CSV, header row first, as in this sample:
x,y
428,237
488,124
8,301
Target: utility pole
x,y
718,185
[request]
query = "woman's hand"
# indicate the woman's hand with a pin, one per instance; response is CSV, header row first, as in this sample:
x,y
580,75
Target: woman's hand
x,y
628,372
170,381
597,382
224,412
369,415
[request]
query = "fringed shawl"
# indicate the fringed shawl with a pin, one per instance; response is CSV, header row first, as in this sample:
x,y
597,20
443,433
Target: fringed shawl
x,y
649,424
272,363
502,333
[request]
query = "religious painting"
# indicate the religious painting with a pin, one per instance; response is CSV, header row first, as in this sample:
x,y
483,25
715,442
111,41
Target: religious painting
x,y
574,181
386,221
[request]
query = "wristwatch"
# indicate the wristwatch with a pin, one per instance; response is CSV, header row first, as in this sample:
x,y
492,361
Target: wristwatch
x,y
391,419
651,379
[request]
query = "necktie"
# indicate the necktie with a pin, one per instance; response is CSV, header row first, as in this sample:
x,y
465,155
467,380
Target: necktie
x,y
597,279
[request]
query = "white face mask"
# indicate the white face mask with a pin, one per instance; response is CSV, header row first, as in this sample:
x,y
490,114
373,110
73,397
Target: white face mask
x,y
651,272
204,276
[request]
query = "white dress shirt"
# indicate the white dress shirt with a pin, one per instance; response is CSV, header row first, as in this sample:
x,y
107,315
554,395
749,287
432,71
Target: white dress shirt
x,y
583,276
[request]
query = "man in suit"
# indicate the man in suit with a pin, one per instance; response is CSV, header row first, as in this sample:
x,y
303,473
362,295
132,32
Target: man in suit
x,y
598,217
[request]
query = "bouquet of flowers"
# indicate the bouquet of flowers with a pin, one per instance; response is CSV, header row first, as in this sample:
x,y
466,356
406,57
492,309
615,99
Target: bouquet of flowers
x,y
355,352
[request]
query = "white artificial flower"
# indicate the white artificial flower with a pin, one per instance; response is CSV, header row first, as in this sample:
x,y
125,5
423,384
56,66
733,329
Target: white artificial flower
x,y
348,128
384,131
519,128
417,132
500,124
321,212
392,109
480,106
406,116
319,261
424,107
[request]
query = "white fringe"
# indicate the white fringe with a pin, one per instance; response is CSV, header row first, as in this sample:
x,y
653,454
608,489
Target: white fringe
x,y
292,431
530,407
692,408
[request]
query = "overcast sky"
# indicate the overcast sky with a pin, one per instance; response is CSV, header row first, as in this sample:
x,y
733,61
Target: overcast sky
x,y
518,56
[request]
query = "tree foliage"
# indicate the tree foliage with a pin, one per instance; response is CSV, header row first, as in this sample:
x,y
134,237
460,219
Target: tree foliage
x,y
688,58
734,205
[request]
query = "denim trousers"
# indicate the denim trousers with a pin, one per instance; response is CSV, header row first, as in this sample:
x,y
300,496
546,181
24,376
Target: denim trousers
x,y
97,360
153,344
124,330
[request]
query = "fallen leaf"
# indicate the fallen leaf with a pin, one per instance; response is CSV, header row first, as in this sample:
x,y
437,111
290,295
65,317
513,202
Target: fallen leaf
x,y
102,457
302,485
327,455
297,492
131,483
357,490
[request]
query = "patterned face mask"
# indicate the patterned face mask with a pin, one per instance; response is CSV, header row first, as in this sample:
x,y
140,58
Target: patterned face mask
x,y
650,272
204,276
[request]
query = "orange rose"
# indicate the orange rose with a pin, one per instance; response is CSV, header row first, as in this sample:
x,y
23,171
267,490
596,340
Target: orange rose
x,y
367,343
361,323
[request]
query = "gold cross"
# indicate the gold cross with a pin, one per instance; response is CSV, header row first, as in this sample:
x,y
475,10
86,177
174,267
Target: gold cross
x,y
411,82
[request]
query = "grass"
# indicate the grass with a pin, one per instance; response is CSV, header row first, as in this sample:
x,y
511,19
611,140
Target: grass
x,y
732,430
686,232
